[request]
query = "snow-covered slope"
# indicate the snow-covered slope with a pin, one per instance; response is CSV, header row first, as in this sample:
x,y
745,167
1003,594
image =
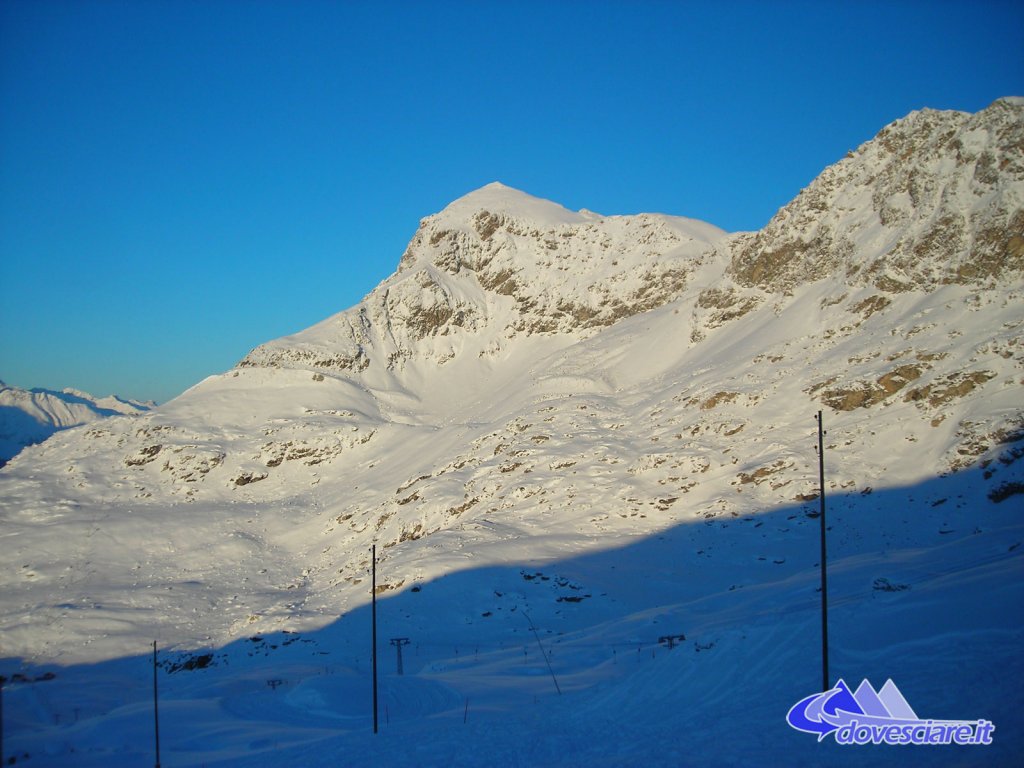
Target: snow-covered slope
x,y
29,416
495,266
600,427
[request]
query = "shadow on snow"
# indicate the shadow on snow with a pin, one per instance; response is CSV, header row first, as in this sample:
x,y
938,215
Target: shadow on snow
x,y
569,661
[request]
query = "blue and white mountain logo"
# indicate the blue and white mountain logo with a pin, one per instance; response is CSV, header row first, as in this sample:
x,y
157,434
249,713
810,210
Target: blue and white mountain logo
x,y
867,716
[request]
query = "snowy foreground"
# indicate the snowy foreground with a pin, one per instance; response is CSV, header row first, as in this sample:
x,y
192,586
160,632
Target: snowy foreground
x,y
932,602
584,449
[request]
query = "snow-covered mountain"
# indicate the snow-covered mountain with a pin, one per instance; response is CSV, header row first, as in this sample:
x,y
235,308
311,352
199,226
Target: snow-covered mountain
x,y
495,266
596,427
29,416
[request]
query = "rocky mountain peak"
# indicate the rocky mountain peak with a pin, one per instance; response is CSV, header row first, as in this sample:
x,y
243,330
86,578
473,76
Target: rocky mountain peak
x,y
481,213
498,263
502,200
935,198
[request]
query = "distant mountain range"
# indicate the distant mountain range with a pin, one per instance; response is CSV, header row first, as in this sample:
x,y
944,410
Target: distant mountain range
x,y
29,416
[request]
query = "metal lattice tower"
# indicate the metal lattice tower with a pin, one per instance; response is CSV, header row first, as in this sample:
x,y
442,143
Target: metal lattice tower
x,y
398,642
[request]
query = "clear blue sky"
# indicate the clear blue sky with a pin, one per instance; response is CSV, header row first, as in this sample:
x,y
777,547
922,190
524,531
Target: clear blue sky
x,y
181,181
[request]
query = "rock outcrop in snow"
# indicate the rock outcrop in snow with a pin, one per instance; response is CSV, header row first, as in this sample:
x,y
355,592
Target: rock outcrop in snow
x,y
934,199
497,264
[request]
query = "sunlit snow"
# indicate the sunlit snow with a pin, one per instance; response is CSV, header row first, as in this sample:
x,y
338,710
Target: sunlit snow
x,y
570,437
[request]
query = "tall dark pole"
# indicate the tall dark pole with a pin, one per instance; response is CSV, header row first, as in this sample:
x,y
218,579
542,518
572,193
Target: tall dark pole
x,y
373,598
156,712
2,681
824,570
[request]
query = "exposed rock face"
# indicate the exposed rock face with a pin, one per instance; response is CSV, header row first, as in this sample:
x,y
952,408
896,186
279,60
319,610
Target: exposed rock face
x,y
576,274
934,199
500,260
